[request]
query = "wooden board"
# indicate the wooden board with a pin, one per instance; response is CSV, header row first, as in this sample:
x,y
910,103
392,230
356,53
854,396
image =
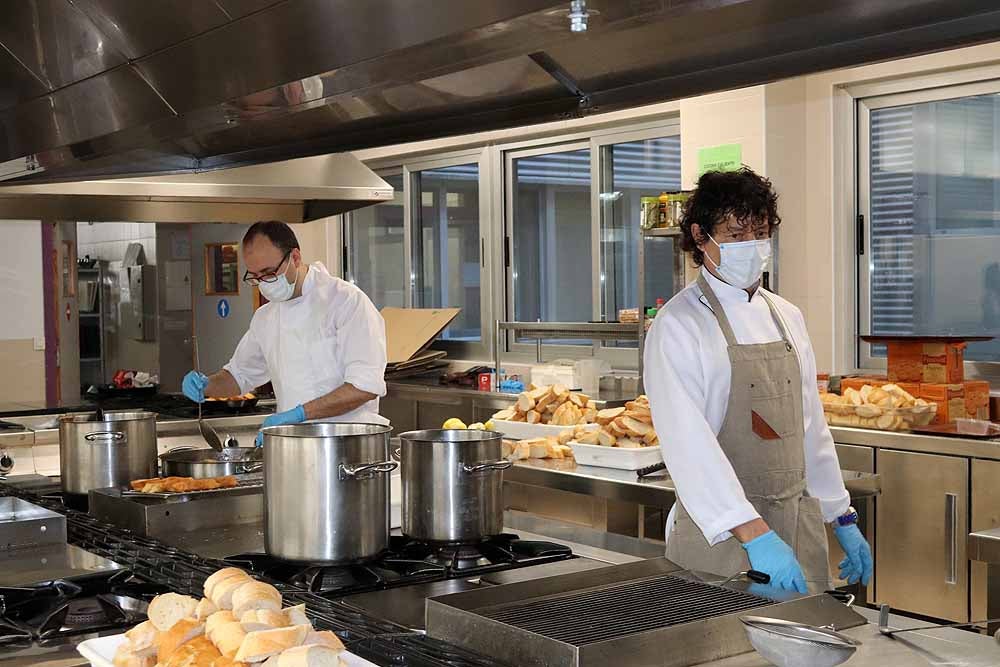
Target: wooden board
x,y
410,330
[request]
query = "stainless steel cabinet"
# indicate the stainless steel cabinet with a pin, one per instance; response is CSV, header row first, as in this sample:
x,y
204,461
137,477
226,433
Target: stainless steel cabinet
x,y
922,523
858,459
985,515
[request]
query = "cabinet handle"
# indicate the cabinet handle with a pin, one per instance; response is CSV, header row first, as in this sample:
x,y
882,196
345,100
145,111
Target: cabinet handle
x,y
951,536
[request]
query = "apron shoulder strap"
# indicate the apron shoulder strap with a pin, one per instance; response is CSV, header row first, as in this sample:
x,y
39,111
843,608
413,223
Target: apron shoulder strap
x,y
716,306
778,319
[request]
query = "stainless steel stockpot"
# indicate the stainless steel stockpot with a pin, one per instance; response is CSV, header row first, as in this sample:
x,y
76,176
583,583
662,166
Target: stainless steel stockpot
x,y
326,491
111,452
452,484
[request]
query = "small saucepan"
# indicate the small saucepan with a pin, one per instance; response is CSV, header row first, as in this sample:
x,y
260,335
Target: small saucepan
x,y
187,461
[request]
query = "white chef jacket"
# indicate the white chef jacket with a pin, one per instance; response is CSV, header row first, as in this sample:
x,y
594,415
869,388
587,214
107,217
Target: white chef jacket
x,y
687,375
310,345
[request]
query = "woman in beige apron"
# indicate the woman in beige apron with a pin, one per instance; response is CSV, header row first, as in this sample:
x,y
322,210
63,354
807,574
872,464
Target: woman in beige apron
x,y
766,393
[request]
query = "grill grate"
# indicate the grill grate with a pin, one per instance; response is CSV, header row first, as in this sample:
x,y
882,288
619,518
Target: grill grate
x,y
585,617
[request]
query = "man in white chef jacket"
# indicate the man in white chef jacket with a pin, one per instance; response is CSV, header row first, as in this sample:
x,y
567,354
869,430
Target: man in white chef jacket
x,y
319,340
731,379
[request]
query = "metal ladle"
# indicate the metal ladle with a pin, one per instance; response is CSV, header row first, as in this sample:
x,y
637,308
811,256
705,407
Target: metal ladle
x,y
207,432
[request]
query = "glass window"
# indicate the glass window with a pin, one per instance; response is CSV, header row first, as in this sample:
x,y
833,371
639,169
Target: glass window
x,y
446,246
934,196
376,249
551,263
222,268
629,172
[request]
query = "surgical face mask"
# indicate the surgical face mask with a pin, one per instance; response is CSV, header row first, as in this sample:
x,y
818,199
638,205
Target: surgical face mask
x,y
742,263
280,289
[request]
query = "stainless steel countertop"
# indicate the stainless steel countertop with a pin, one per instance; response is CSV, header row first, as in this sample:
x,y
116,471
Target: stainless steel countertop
x,y
984,546
624,485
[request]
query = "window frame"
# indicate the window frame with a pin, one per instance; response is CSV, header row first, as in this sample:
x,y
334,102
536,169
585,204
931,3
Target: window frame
x,y
347,236
864,106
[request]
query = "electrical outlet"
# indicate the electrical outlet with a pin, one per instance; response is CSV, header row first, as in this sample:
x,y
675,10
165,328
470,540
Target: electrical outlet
x,y
38,343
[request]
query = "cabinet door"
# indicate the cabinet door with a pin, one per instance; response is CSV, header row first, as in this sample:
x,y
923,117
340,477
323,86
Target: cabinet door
x,y
922,526
985,515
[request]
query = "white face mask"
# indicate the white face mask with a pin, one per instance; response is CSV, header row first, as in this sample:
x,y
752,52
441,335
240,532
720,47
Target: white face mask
x,y
280,289
742,263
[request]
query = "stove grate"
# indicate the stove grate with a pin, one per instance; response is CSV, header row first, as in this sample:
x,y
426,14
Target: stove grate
x,y
608,612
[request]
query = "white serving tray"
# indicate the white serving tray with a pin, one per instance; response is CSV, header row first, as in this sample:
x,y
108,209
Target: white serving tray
x,y
525,431
101,652
615,457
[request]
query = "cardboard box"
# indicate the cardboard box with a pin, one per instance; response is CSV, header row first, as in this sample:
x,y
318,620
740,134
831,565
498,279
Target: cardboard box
x,y
950,399
926,362
977,399
409,331
944,363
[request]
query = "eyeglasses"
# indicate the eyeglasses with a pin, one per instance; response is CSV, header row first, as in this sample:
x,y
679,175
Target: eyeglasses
x,y
267,277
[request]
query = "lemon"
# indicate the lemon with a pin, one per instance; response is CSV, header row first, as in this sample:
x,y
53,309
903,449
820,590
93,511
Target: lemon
x,y
454,423
489,425
478,426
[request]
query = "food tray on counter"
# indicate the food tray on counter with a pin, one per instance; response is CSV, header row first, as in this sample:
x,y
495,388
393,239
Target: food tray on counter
x,y
244,484
100,651
880,418
525,431
615,457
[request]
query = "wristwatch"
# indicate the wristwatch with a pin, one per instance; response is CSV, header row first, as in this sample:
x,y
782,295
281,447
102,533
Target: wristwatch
x,y
849,518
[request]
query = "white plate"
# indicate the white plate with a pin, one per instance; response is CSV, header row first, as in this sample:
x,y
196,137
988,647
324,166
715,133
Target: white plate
x,y
101,652
526,431
615,457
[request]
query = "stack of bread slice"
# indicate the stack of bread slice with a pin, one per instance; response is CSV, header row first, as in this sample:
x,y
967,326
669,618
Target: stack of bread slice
x,y
536,448
239,623
629,427
552,404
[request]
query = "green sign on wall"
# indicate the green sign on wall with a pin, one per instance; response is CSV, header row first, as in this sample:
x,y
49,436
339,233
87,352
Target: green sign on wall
x,y
725,157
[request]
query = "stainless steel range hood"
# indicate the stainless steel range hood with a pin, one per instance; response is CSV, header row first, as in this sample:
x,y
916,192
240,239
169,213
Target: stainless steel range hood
x,y
95,89
292,190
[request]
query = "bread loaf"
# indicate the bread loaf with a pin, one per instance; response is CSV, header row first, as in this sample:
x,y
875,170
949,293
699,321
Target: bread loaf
x,y
259,646
142,639
219,575
255,595
125,656
167,609
181,633
198,652
314,655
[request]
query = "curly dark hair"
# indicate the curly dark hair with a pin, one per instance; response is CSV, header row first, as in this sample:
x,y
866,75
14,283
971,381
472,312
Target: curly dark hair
x,y
743,195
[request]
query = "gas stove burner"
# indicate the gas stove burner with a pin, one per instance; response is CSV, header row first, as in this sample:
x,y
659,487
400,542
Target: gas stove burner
x,y
405,562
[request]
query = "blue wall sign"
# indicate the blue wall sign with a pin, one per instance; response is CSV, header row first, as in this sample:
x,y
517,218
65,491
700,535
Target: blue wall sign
x,y
222,308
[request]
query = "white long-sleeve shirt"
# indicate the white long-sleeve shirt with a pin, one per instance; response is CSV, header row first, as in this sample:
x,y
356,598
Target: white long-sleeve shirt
x,y
308,346
687,376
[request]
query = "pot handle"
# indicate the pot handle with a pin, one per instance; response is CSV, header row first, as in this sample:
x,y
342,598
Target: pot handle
x,y
179,448
105,436
253,467
487,466
367,470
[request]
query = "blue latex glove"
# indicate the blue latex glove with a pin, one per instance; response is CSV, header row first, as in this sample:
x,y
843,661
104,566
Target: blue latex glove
x,y
296,415
769,554
858,564
193,386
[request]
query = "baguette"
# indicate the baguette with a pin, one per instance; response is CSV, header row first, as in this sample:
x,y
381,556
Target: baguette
x,y
576,400
522,452
313,655
636,427
263,619
538,393
566,436
182,632
216,620
205,609
124,657
525,403
199,652
504,415
609,415
589,438
255,595
561,392
651,439
259,646
165,610
545,399
297,615
222,592
323,638
606,439
553,450
142,639
537,448
229,637
628,443
533,417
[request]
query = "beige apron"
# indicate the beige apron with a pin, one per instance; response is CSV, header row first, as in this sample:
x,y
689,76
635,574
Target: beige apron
x,y
763,438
